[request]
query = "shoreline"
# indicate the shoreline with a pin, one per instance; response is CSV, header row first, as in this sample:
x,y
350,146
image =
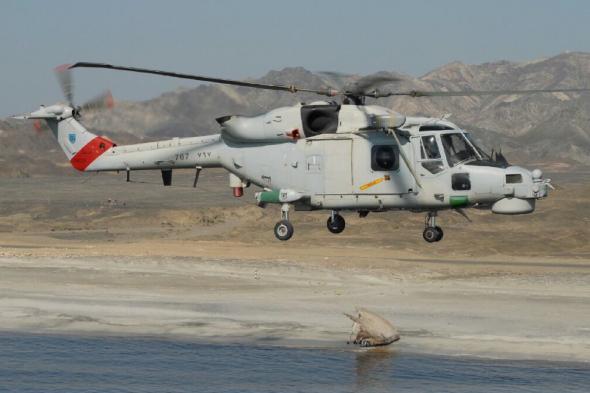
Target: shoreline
x,y
440,308
304,345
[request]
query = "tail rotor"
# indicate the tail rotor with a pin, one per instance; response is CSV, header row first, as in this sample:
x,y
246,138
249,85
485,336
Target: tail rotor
x,y
64,77
62,111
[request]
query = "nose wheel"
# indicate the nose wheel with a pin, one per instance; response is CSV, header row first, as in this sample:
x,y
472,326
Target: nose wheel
x,y
432,233
336,223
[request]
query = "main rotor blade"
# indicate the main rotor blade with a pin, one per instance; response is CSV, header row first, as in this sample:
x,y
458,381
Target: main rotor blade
x,y
357,89
366,83
422,93
64,78
363,85
288,88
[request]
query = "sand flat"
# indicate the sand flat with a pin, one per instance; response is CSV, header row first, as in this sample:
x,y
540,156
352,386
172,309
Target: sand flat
x,y
517,311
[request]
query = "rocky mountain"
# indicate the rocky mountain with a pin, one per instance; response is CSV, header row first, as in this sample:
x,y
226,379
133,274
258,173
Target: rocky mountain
x,y
538,127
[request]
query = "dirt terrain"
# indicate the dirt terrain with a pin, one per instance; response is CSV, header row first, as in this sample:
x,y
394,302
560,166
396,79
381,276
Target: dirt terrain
x,y
94,254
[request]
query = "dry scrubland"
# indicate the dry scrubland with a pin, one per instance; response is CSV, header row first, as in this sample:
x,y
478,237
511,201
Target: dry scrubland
x,y
92,254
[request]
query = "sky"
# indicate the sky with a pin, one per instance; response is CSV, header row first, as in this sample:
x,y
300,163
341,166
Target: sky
x,y
244,39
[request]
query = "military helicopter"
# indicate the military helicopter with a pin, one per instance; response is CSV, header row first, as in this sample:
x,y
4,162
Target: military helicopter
x,y
328,155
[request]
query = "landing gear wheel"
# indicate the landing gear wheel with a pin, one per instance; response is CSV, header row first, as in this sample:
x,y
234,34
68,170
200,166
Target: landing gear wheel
x,y
284,230
336,223
440,233
431,234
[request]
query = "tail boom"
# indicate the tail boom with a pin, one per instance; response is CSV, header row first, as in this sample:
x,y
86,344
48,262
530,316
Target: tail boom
x,y
88,152
175,153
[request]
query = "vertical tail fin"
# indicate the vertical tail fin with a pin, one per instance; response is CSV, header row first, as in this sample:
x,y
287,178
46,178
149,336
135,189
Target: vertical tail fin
x,y
80,145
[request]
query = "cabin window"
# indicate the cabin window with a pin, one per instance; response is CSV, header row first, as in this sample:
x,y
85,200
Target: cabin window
x,y
384,158
460,182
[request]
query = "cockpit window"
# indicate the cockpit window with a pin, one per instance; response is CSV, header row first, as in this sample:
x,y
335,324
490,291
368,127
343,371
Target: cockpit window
x,y
435,127
457,149
430,155
430,148
482,153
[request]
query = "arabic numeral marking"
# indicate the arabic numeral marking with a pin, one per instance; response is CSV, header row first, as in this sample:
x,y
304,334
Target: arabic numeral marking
x,y
181,156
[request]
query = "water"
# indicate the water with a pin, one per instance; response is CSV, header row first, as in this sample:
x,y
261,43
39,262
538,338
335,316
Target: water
x,y
47,363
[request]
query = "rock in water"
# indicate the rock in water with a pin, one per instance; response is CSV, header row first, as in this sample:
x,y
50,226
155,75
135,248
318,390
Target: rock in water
x,y
372,330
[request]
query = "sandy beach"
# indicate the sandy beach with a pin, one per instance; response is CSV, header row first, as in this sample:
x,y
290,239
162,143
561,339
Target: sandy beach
x,y
94,255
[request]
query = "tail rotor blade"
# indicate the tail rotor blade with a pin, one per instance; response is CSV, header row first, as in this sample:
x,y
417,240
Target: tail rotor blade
x,y
64,78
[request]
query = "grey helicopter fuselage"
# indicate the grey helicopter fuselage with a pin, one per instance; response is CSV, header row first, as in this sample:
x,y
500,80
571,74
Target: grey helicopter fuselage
x,y
337,157
364,158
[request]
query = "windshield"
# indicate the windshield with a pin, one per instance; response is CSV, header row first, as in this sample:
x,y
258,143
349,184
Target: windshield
x,y
481,152
457,149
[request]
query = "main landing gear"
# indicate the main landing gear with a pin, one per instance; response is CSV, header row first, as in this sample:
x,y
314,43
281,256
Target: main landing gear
x,y
284,229
432,233
335,222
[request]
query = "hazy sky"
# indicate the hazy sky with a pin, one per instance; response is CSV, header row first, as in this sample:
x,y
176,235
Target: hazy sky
x,y
240,39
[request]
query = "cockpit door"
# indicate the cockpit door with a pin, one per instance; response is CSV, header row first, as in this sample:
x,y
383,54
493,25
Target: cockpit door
x,y
428,154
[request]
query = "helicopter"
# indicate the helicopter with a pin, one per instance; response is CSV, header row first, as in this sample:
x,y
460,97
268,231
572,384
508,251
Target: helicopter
x,y
325,155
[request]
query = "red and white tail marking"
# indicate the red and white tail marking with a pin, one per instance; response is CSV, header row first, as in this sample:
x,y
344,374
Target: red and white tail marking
x,y
90,152
81,146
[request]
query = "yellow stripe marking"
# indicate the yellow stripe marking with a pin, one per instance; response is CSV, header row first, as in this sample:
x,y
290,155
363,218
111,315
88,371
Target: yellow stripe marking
x,y
374,183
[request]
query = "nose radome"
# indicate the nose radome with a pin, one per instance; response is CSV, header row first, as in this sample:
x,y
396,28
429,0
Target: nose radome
x,y
513,206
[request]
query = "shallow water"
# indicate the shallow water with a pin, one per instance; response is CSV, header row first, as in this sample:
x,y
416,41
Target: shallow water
x,y
48,363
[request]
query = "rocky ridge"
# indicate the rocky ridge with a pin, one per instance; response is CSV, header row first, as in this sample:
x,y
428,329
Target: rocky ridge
x,y
549,128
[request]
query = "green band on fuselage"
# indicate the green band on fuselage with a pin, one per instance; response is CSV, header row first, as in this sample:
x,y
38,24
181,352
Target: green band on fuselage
x,y
459,201
269,196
